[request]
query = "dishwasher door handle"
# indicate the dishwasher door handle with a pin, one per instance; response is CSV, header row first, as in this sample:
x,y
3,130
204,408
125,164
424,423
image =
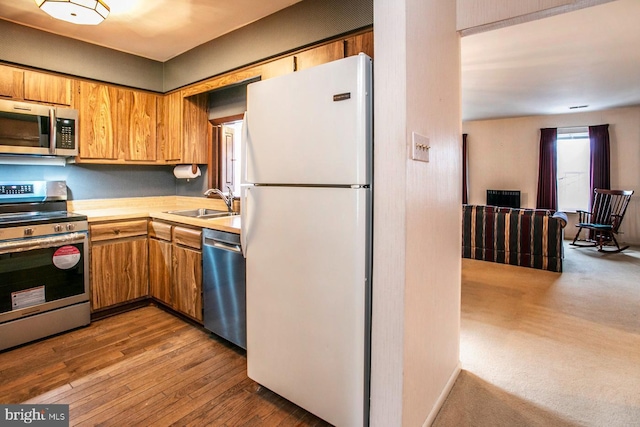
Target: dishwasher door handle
x,y
223,246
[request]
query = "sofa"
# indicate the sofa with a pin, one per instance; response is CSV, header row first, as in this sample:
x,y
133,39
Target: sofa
x,y
524,237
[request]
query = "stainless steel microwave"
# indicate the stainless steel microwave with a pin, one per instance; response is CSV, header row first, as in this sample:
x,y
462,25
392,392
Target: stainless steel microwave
x,y
37,129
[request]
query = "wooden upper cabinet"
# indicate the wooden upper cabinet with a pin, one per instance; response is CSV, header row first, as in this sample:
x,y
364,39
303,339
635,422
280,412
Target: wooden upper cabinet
x,y
183,128
141,139
359,43
47,88
195,129
277,67
319,55
28,85
169,129
116,123
96,120
11,82
121,118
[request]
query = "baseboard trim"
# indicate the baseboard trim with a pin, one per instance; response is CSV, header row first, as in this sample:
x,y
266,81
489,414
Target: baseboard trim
x,y
443,396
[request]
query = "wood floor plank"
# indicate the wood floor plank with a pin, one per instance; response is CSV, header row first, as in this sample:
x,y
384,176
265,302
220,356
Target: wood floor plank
x,y
178,406
129,371
144,367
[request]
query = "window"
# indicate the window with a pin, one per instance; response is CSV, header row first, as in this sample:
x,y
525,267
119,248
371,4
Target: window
x,y
573,157
230,156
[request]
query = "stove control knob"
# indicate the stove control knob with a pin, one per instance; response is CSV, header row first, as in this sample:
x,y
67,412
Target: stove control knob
x,y
58,228
71,227
28,231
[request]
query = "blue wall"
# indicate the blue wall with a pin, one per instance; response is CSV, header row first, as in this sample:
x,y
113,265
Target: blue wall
x,y
100,181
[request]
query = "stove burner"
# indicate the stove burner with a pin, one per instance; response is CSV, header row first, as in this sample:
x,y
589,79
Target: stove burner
x,y
25,218
17,219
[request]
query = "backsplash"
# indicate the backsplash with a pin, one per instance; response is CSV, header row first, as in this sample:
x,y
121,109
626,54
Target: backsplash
x,y
105,181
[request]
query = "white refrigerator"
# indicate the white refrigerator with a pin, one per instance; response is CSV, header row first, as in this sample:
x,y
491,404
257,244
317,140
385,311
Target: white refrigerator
x,y
306,235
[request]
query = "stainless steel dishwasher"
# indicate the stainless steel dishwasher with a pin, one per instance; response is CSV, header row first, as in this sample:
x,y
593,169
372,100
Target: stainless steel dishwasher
x,y
224,286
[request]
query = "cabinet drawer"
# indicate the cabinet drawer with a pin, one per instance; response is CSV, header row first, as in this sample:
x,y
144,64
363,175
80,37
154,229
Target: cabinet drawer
x,y
118,230
160,230
187,237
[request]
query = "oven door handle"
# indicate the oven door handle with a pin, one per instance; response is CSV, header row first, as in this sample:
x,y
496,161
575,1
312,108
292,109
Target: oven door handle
x,y
41,242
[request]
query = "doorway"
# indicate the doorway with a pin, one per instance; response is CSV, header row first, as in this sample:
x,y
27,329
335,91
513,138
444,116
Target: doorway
x,y
226,153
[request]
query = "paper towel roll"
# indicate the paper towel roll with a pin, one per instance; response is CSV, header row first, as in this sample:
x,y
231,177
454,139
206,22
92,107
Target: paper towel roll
x,y
186,172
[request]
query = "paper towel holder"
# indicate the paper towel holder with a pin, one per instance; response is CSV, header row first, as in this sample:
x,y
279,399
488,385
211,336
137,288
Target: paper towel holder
x,y
187,172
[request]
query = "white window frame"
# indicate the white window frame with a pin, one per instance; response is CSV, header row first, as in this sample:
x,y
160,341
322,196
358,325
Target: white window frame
x,y
565,135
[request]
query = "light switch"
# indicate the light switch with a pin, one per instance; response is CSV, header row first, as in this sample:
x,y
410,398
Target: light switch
x,y
419,147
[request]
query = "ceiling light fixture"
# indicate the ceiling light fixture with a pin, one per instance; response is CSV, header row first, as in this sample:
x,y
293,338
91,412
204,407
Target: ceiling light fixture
x,y
83,12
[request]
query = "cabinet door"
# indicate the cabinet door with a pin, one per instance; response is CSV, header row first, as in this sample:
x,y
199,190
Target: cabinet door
x,y
11,82
169,133
119,272
47,88
187,281
121,102
96,118
195,122
160,270
319,55
140,143
277,68
359,43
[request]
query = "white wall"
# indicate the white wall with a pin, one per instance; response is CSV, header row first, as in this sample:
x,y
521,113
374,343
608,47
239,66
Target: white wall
x,y
481,15
503,154
416,277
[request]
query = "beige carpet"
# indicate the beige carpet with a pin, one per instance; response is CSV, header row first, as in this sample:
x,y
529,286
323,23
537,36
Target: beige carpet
x,y
549,349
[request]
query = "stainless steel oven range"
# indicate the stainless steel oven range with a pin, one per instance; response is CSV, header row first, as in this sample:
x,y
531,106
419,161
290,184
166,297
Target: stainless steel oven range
x,y
44,283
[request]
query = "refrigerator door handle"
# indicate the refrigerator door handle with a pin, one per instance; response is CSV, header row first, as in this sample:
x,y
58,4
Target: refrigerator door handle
x,y
243,219
245,144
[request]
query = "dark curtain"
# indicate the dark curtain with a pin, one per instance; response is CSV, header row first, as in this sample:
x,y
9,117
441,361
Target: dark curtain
x,y
547,170
465,191
600,158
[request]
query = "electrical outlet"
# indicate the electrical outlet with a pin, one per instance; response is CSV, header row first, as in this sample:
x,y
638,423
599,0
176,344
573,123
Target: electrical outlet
x,y
419,147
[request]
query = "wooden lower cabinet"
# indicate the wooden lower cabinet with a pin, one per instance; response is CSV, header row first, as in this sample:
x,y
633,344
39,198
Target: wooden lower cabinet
x,y
160,263
175,267
119,262
187,281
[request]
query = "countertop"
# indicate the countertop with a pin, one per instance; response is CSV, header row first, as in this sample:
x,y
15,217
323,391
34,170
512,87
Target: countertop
x,y
100,210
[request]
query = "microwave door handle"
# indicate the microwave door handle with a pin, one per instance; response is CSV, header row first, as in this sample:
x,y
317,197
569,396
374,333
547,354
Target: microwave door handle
x,y
53,130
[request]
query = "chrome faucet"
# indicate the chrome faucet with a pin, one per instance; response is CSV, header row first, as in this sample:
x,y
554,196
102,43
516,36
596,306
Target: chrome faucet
x,y
227,198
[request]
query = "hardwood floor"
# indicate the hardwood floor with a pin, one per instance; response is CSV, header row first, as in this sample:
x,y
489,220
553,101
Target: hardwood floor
x,y
144,367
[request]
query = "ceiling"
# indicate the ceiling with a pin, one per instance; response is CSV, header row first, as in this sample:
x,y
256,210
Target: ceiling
x,y
585,57
588,57
153,29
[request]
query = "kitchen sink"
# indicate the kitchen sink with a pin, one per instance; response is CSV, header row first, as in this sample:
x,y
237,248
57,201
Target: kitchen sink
x,y
202,213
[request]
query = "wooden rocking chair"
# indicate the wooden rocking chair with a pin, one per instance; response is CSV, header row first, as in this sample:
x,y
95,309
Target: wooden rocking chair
x,y
604,220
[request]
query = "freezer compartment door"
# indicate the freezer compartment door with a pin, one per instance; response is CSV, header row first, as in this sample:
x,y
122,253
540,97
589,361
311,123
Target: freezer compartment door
x,y
307,279
312,126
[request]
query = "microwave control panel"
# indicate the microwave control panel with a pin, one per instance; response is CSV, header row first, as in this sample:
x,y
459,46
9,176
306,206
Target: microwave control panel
x,y
66,137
